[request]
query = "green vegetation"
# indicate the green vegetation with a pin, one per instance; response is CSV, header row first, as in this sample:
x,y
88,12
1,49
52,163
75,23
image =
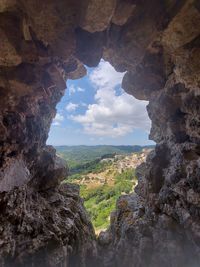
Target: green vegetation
x,y
77,156
100,201
91,167
100,182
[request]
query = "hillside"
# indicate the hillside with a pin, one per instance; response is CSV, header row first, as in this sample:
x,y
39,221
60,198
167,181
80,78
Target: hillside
x,y
103,180
76,156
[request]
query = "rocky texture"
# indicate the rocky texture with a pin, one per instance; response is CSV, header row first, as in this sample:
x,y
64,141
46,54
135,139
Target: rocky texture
x,y
44,43
44,228
159,224
97,14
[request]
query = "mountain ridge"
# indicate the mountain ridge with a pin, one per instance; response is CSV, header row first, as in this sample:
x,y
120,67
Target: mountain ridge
x,y
80,155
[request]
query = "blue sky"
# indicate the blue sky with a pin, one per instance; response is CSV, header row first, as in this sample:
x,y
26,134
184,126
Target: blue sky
x,y
95,110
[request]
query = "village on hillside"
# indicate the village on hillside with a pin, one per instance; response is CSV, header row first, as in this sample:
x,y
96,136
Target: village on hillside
x,y
121,162
118,164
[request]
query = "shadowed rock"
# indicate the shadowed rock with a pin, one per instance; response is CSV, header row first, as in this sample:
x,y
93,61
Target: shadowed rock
x,y
43,43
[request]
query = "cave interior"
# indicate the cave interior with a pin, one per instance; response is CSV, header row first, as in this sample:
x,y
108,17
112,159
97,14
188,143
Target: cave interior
x,y
43,43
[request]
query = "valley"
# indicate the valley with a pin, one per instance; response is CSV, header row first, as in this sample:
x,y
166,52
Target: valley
x,y
103,174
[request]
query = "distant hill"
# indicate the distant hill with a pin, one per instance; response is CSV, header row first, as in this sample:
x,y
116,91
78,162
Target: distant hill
x,y
79,155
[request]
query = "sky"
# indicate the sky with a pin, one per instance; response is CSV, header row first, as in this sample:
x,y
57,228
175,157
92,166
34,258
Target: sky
x,y
95,110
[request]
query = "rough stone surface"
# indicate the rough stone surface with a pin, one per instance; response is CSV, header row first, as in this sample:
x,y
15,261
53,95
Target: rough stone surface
x,y
43,43
97,14
44,228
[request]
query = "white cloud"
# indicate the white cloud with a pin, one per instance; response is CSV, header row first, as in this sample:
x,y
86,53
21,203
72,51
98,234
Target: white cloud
x,y
113,114
105,76
72,89
71,106
58,119
79,89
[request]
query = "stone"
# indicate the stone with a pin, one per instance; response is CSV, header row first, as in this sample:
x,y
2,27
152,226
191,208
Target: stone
x,y
97,15
148,78
51,169
9,55
180,30
79,71
43,221
7,5
9,178
123,12
89,47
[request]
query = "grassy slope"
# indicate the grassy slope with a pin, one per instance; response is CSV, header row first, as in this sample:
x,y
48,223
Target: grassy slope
x,y
79,155
99,200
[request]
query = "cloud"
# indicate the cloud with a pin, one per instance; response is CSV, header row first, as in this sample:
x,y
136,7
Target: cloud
x,y
71,106
79,89
114,114
105,76
72,89
58,119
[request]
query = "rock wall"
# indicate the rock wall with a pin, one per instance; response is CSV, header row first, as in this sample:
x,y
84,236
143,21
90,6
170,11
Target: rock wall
x,y
44,43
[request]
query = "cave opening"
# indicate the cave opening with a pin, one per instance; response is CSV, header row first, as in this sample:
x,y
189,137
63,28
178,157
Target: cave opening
x,y
44,43
102,133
